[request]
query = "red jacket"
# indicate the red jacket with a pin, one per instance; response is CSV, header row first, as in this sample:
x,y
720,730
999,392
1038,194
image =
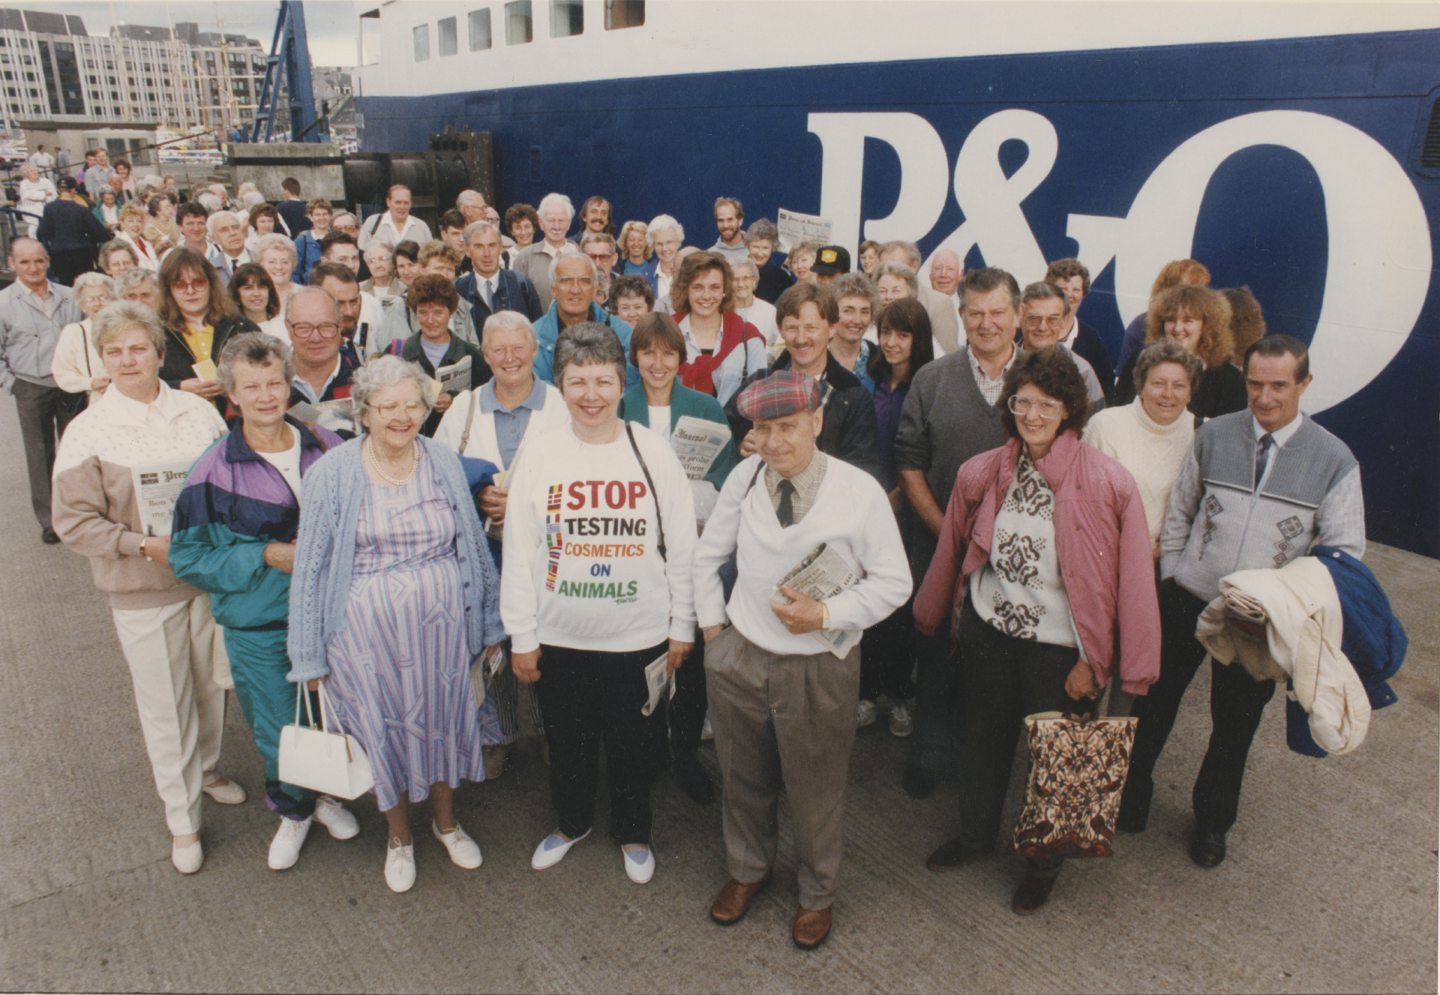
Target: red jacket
x,y
1101,540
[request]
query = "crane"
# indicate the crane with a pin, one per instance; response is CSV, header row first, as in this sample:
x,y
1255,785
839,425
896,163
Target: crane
x,y
290,54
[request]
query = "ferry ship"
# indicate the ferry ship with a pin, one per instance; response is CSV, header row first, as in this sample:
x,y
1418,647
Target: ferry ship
x,y
1292,148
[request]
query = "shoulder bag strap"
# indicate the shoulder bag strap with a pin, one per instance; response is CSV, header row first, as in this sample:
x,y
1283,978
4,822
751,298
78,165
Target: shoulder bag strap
x,y
654,495
469,422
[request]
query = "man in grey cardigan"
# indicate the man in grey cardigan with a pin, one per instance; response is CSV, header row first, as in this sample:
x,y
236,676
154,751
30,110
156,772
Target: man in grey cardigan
x,y
949,416
1260,488
32,312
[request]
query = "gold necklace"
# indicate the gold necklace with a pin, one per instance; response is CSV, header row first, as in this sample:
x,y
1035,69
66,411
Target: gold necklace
x,y
374,462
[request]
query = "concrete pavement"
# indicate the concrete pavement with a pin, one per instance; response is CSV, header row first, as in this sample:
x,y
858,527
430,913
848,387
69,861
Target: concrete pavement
x,y
1330,885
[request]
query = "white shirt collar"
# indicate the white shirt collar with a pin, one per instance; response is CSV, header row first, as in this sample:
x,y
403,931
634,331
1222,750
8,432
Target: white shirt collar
x,y
129,411
1068,339
1280,435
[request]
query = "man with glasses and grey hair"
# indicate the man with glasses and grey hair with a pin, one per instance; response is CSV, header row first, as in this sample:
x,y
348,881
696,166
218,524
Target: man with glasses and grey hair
x,y
1044,314
322,375
572,275
534,261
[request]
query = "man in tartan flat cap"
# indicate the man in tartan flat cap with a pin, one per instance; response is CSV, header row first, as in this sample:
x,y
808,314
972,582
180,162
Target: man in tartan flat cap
x,y
782,657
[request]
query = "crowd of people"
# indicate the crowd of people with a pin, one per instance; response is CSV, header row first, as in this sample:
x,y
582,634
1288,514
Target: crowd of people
x,y
402,454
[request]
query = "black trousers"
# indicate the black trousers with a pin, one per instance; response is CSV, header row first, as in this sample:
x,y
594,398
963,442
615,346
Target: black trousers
x,y
586,699
935,745
887,655
44,413
1237,702
1003,679
70,263
687,708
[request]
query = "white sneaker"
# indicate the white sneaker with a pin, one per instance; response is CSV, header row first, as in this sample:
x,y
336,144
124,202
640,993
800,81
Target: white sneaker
x,y
552,850
865,714
289,838
639,864
706,732
464,851
902,724
187,859
336,818
400,867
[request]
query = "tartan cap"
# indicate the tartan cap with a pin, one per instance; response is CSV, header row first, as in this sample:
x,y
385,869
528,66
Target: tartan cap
x,y
782,393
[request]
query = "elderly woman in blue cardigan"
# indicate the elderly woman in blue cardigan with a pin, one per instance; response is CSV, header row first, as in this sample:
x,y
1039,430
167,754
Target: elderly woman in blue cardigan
x,y
394,594
234,536
659,401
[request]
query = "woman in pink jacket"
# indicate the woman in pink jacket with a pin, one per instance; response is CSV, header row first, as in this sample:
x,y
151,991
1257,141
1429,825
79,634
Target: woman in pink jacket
x,y
1045,553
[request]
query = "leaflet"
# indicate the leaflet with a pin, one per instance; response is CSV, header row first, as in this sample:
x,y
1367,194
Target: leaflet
x,y
698,443
156,489
659,681
824,573
455,378
337,415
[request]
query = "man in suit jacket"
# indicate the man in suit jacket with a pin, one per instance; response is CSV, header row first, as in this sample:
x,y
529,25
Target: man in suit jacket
x,y
489,288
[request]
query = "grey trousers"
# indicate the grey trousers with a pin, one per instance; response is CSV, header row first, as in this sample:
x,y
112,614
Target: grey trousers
x,y
44,412
782,722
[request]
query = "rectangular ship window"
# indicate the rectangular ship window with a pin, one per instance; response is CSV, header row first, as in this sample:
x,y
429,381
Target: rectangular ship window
x,y
624,14
449,36
519,24
567,18
422,42
479,29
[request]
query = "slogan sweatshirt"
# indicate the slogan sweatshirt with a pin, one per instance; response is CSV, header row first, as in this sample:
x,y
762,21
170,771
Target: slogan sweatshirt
x,y
582,565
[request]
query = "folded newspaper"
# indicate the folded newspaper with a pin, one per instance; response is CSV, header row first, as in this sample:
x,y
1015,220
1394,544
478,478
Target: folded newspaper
x,y
659,682
455,378
337,415
698,443
824,573
156,489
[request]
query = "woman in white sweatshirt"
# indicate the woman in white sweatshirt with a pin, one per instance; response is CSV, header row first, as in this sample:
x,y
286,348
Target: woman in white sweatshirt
x,y
596,584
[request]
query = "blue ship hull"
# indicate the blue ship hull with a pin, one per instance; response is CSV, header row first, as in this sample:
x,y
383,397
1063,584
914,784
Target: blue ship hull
x,y
1264,214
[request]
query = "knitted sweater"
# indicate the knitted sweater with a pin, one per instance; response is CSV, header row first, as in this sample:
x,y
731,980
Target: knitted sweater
x,y
1150,451
851,513
1217,524
331,498
582,564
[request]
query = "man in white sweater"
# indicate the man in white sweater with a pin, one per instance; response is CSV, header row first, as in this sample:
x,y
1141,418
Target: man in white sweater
x,y
782,705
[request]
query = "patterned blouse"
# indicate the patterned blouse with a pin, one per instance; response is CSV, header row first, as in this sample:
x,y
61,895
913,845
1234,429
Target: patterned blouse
x,y
1020,590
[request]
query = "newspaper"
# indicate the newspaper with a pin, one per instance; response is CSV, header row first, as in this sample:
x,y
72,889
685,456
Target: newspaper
x,y
156,488
485,668
659,681
698,442
822,574
795,227
455,378
337,415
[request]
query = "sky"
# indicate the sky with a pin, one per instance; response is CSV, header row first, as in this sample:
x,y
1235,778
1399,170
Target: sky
x,y
330,24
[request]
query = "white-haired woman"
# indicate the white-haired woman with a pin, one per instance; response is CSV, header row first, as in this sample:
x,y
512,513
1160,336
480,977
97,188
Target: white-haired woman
x,y
599,535
384,284
166,632
394,593
77,367
666,237
34,193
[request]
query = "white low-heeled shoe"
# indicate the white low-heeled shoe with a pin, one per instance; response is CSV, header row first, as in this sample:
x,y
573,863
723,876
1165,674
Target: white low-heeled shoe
x,y
464,851
552,850
639,864
187,859
225,792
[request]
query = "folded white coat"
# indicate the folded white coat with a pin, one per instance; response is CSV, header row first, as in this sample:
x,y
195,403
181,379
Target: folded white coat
x,y
1300,612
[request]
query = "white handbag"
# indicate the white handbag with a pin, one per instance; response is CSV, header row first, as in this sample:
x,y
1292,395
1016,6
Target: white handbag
x,y
330,762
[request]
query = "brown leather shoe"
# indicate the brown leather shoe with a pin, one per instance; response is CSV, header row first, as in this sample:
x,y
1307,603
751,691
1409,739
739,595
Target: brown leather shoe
x,y
811,928
734,899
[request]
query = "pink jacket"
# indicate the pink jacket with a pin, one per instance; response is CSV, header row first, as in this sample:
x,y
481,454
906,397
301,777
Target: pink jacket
x,y
1102,541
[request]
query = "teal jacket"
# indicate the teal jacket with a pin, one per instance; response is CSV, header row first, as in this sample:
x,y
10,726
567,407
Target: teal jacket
x,y
683,401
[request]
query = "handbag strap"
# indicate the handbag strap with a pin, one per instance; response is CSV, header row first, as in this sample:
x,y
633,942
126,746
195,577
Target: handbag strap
x,y
654,494
469,422
326,711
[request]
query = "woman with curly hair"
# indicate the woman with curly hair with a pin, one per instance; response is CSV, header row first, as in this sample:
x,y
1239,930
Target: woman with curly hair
x,y
1199,319
1046,548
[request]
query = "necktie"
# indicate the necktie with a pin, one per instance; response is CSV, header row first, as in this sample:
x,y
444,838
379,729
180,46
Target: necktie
x,y
490,295
1262,458
786,511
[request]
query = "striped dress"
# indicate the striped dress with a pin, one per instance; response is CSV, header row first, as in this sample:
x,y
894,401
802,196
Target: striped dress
x,y
399,669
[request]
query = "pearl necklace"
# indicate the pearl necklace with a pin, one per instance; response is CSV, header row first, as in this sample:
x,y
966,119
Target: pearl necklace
x,y
374,462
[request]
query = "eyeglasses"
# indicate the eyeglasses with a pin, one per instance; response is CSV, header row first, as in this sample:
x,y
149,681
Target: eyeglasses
x,y
1045,321
326,330
576,281
1047,408
391,408
189,286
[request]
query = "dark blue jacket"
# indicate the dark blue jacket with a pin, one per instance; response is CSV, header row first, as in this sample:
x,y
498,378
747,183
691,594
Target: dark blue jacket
x,y
513,292
1372,639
